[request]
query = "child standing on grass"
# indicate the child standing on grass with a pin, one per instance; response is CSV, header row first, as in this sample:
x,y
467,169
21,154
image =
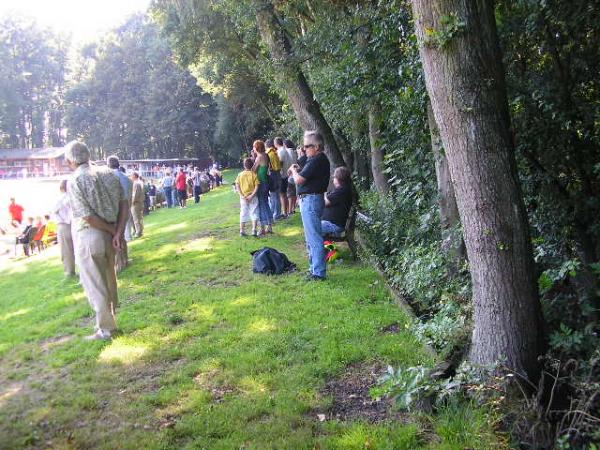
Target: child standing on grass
x,y
246,185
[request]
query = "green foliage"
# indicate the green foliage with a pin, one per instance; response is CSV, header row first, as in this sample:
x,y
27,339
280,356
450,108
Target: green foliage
x,y
219,43
448,330
466,404
405,385
450,26
136,102
32,82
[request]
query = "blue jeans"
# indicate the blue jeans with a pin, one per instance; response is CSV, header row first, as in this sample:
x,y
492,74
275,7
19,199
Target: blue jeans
x,y
311,209
275,204
264,211
274,201
174,197
330,229
168,197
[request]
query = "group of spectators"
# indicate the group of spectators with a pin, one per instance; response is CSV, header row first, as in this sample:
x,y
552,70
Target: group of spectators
x,y
276,178
97,203
99,211
180,183
33,233
266,195
106,210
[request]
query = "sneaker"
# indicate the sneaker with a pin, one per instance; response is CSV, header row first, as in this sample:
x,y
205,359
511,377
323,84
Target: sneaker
x,y
255,234
243,234
100,335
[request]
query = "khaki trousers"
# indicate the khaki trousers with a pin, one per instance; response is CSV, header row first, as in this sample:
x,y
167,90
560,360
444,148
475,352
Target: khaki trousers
x,y
96,261
67,251
137,214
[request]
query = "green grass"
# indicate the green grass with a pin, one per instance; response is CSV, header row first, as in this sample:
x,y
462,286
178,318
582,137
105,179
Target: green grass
x,y
211,355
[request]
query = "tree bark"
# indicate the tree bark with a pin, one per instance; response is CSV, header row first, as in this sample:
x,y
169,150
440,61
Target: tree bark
x,y
452,244
377,153
459,49
288,71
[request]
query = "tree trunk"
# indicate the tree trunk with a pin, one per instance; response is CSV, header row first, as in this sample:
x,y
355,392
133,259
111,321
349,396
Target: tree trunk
x,y
452,243
289,73
377,154
461,58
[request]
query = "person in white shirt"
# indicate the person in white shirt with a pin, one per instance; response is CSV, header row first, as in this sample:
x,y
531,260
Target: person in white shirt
x,y
286,162
63,217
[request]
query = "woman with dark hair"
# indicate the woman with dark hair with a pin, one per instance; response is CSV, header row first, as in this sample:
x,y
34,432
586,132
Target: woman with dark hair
x,y
261,167
337,203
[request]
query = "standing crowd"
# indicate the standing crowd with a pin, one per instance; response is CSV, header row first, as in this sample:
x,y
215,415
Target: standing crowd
x,y
277,177
101,209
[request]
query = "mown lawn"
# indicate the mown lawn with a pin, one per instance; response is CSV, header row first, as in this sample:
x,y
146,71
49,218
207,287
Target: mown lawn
x,y
211,355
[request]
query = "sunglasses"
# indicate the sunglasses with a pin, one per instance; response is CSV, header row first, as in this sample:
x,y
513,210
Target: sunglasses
x,y
309,146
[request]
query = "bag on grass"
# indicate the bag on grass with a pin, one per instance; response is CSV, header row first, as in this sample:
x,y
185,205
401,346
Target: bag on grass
x,y
269,261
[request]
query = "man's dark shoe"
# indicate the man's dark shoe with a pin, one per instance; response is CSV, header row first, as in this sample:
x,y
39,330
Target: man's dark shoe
x,y
311,277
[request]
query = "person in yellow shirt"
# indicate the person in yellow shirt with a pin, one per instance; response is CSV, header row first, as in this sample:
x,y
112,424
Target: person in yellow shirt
x,y
50,231
246,185
274,180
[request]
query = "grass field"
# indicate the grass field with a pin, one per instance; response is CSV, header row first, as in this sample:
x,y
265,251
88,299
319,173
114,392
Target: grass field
x,y
211,356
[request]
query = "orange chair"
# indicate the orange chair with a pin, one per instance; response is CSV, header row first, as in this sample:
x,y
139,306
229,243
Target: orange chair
x,y
37,239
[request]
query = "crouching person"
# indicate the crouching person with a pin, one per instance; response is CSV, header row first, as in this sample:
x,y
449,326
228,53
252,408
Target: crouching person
x,y
100,212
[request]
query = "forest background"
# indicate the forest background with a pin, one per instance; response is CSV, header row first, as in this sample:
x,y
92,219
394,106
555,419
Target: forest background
x,y
192,78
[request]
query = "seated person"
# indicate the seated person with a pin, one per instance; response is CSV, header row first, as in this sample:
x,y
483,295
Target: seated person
x,y
23,238
337,204
50,231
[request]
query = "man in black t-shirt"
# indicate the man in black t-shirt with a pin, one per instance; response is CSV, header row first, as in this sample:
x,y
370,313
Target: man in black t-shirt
x,y
312,182
337,204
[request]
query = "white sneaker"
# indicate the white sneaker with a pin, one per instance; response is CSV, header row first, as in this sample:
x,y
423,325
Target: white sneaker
x,y
99,335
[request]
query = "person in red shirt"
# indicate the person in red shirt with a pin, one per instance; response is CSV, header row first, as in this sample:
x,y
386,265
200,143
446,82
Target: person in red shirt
x,y
181,184
16,213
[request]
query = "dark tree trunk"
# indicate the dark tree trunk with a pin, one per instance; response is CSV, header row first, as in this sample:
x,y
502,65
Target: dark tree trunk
x,y
461,58
377,153
345,148
288,70
452,242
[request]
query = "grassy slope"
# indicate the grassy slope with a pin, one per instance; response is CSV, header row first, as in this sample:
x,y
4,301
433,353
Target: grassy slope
x,y
212,356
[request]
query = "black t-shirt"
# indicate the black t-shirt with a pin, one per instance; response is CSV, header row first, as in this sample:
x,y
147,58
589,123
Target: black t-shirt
x,y
316,172
302,161
341,202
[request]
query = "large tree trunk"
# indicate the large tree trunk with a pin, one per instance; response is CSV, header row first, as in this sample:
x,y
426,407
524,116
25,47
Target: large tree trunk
x,y
461,58
377,154
452,242
288,70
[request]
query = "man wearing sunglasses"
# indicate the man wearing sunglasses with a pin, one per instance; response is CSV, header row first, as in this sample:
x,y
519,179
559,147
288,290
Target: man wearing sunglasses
x,y
312,182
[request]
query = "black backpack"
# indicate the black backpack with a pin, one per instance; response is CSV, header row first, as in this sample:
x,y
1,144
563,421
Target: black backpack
x,y
269,261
